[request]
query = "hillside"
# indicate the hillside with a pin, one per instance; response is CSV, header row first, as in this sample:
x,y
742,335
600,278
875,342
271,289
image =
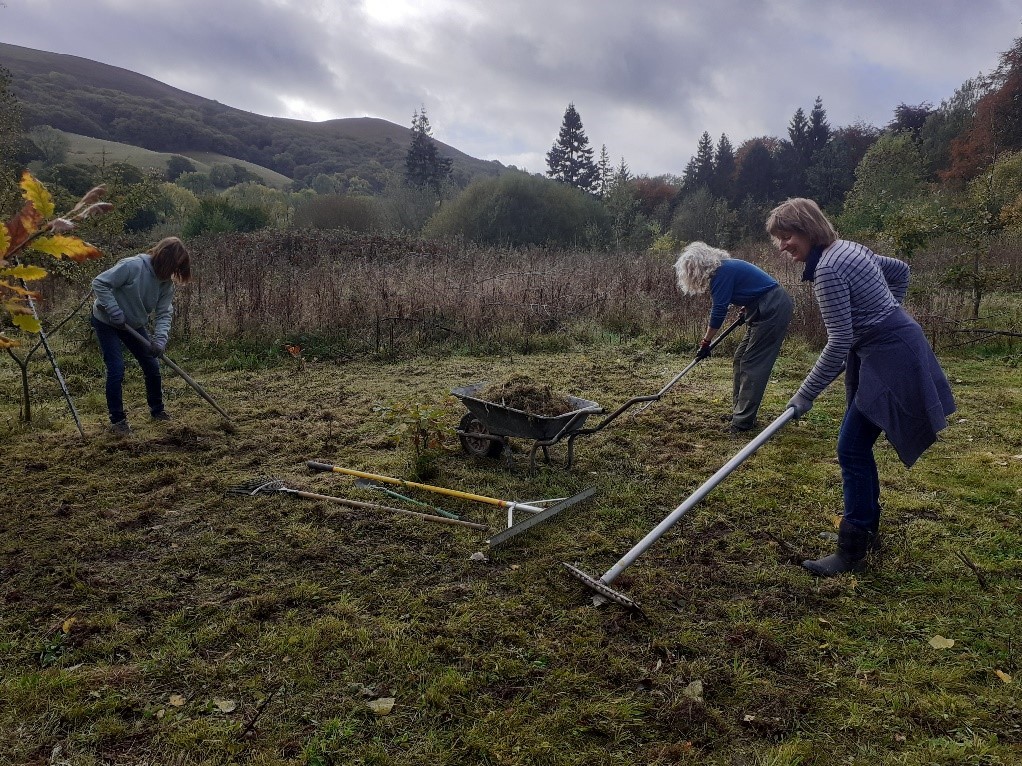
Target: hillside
x,y
96,100
96,151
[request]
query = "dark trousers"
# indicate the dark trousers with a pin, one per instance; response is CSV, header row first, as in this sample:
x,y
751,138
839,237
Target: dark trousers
x,y
859,477
766,325
110,340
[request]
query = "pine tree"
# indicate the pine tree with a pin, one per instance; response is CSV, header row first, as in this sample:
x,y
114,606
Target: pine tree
x,y
699,171
570,159
424,167
723,168
819,129
606,172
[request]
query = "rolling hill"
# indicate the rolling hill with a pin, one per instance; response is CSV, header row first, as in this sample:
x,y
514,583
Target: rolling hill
x,y
99,101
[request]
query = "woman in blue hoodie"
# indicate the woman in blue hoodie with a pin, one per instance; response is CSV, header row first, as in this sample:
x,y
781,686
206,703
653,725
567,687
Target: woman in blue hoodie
x,y
893,382
127,294
767,309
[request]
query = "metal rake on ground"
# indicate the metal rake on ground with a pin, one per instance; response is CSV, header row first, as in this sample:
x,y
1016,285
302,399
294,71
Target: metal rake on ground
x,y
267,485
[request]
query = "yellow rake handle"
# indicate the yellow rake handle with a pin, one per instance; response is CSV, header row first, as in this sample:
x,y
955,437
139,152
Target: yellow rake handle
x,y
313,465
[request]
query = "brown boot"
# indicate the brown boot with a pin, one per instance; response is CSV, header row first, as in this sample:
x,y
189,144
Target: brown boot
x,y
852,545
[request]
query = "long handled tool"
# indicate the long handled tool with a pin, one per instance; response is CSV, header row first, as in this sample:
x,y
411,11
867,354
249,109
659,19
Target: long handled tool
x,y
659,395
267,485
187,378
53,359
601,585
367,484
541,513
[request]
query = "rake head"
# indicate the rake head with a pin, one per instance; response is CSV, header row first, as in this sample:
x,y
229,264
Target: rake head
x,y
257,486
602,589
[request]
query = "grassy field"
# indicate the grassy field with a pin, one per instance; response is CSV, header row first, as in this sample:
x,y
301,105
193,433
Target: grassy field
x,y
151,618
95,151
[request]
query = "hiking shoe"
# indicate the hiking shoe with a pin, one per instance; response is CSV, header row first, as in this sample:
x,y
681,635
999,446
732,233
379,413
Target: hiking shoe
x,y
121,427
161,415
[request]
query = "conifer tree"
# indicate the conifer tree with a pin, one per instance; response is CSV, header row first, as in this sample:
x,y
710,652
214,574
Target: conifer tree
x,y
819,129
699,171
606,172
424,167
723,168
570,159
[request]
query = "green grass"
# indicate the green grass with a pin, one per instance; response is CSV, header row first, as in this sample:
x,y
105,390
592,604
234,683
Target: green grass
x,y
88,150
150,618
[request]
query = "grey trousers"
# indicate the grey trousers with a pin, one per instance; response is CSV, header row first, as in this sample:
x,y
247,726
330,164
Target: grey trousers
x,y
766,325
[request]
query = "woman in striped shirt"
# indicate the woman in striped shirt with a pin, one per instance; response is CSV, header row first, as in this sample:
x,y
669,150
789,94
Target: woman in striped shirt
x,y
893,382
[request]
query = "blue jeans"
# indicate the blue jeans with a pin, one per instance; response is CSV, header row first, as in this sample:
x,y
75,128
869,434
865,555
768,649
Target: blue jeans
x,y
860,480
110,340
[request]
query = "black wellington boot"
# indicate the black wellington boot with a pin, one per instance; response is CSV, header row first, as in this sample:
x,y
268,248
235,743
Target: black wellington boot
x,y
852,545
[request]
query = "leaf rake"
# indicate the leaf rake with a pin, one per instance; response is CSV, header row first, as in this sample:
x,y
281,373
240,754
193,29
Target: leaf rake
x,y
268,485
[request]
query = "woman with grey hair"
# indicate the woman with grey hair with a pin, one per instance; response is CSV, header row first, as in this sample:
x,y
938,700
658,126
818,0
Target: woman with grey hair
x,y
767,308
893,381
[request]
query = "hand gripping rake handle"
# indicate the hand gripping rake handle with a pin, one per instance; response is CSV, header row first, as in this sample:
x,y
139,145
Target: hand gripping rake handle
x,y
720,336
313,465
187,378
651,398
601,585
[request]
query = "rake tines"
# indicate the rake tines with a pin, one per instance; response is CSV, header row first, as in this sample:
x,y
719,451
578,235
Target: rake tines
x,y
257,486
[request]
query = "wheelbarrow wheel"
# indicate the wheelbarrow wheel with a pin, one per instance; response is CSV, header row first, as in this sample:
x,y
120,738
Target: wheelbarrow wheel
x,y
470,424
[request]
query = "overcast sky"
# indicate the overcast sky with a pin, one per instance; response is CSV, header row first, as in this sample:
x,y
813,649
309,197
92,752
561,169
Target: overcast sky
x,y
646,76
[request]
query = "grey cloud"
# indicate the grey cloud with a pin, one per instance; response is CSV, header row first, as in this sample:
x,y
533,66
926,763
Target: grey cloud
x,y
647,77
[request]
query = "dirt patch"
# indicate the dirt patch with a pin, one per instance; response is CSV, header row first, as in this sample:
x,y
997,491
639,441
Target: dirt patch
x,y
520,392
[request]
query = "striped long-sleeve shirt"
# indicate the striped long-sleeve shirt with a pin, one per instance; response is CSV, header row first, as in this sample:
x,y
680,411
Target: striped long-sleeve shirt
x,y
856,289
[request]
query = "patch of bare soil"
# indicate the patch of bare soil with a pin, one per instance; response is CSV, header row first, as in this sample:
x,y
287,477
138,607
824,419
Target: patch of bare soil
x,y
520,392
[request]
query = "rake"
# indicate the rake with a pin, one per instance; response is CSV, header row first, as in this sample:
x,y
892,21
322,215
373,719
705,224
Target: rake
x,y
366,484
536,508
601,585
184,375
267,485
660,394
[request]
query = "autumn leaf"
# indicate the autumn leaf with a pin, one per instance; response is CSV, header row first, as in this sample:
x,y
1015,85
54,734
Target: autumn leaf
x,y
381,706
1003,676
939,642
22,226
18,290
68,624
225,706
24,271
26,322
176,700
694,690
5,239
37,194
59,245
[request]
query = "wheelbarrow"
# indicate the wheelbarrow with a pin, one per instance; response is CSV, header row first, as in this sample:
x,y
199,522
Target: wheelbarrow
x,y
485,429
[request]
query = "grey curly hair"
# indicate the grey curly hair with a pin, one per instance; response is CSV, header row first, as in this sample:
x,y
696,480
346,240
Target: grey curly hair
x,y
695,266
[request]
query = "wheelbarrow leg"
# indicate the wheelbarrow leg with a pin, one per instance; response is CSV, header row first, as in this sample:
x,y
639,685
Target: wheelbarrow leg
x,y
571,451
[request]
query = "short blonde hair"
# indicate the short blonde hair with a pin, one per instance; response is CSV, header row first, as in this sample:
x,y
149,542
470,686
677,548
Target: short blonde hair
x,y
799,215
696,265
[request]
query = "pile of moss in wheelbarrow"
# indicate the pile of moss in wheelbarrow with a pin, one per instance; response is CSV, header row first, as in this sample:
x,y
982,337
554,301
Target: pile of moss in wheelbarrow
x,y
520,392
